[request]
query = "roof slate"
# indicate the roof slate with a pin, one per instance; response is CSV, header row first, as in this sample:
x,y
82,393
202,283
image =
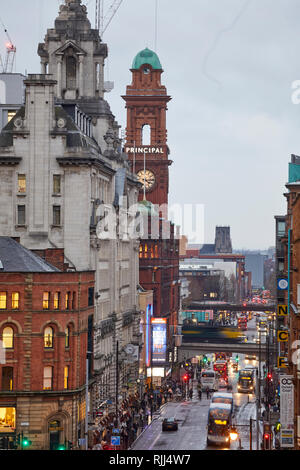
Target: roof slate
x,y
16,258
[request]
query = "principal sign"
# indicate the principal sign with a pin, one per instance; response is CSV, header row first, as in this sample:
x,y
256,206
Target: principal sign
x,y
144,150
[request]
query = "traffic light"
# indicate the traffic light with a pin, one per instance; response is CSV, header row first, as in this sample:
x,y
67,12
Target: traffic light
x,y
237,358
267,441
267,437
269,377
61,447
26,442
204,359
186,377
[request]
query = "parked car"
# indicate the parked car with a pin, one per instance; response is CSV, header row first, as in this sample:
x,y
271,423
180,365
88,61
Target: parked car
x,y
169,424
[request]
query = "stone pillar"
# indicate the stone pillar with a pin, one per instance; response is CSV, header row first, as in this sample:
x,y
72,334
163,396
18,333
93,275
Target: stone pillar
x,y
59,77
81,75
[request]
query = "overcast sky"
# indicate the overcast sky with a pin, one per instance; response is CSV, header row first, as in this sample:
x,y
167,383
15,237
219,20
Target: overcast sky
x,y
229,66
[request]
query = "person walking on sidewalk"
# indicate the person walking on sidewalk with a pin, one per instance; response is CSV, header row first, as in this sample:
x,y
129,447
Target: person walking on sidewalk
x,y
208,393
200,393
191,393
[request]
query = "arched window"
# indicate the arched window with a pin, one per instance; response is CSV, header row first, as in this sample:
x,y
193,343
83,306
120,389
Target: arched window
x,y
146,134
48,337
8,337
71,72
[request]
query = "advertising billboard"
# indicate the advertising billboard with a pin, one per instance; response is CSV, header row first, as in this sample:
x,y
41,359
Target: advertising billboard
x,y
159,340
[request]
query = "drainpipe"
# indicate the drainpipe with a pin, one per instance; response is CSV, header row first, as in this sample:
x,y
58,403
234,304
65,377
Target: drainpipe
x,y
289,268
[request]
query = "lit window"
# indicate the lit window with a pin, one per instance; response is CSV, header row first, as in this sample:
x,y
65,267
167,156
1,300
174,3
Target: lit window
x,y
21,215
141,251
22,183
47,383
68,301
15,300
11,114
3,300
66,377
67,337
146,251
8,337
48,337
56,300
56,184
46,299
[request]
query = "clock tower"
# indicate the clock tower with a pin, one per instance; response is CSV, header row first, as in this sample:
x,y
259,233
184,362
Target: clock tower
x,y
146,134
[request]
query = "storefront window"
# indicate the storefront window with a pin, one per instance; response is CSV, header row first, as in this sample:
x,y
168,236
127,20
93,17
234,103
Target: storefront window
x,y
7,419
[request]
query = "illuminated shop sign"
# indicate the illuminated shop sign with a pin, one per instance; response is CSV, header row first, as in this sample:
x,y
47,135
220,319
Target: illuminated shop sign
x,y
159,339
149,313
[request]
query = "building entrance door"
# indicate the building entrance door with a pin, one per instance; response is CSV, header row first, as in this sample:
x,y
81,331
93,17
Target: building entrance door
x,y
54,434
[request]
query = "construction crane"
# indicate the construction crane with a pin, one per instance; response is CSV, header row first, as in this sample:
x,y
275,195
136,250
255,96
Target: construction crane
x,y
8,64
103,21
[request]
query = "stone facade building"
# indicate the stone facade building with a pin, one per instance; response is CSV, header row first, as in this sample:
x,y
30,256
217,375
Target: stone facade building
x,y
61,171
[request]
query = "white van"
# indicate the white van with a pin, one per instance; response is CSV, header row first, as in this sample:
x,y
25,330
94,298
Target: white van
x,y
209,379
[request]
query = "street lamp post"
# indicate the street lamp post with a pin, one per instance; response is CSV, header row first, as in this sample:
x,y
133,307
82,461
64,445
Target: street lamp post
x,y
88,353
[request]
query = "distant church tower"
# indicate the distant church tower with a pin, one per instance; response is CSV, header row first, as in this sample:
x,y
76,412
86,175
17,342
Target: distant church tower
x,y
222,240
146,133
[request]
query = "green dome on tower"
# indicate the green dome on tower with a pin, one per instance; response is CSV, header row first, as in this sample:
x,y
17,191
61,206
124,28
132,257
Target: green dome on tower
x,y
146,57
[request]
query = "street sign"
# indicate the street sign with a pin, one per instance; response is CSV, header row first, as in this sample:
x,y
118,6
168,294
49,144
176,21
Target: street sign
x,y
282,336
282,361
282,284
115,440
287,410
287,437
282,310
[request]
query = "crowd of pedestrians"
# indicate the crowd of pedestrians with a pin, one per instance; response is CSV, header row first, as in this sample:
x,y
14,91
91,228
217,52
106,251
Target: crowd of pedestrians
x,y
134,415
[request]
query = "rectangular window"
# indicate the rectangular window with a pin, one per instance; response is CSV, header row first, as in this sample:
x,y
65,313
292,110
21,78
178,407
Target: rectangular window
x,y
91,297
56,215
21,217
3,300
15,298
47,382
21,183
68,301
11,114
298,294
74,301
66,377
7,379
46,300
56,184
56,300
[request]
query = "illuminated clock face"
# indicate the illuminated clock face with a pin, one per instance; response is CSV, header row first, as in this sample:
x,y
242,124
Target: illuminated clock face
x,y
147,178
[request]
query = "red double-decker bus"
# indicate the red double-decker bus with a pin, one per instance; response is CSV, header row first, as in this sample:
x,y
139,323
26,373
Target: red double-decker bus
x,y
220,366
242,323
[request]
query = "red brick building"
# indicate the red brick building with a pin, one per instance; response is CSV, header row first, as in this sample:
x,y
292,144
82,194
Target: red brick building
x,y
46,329
146,146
